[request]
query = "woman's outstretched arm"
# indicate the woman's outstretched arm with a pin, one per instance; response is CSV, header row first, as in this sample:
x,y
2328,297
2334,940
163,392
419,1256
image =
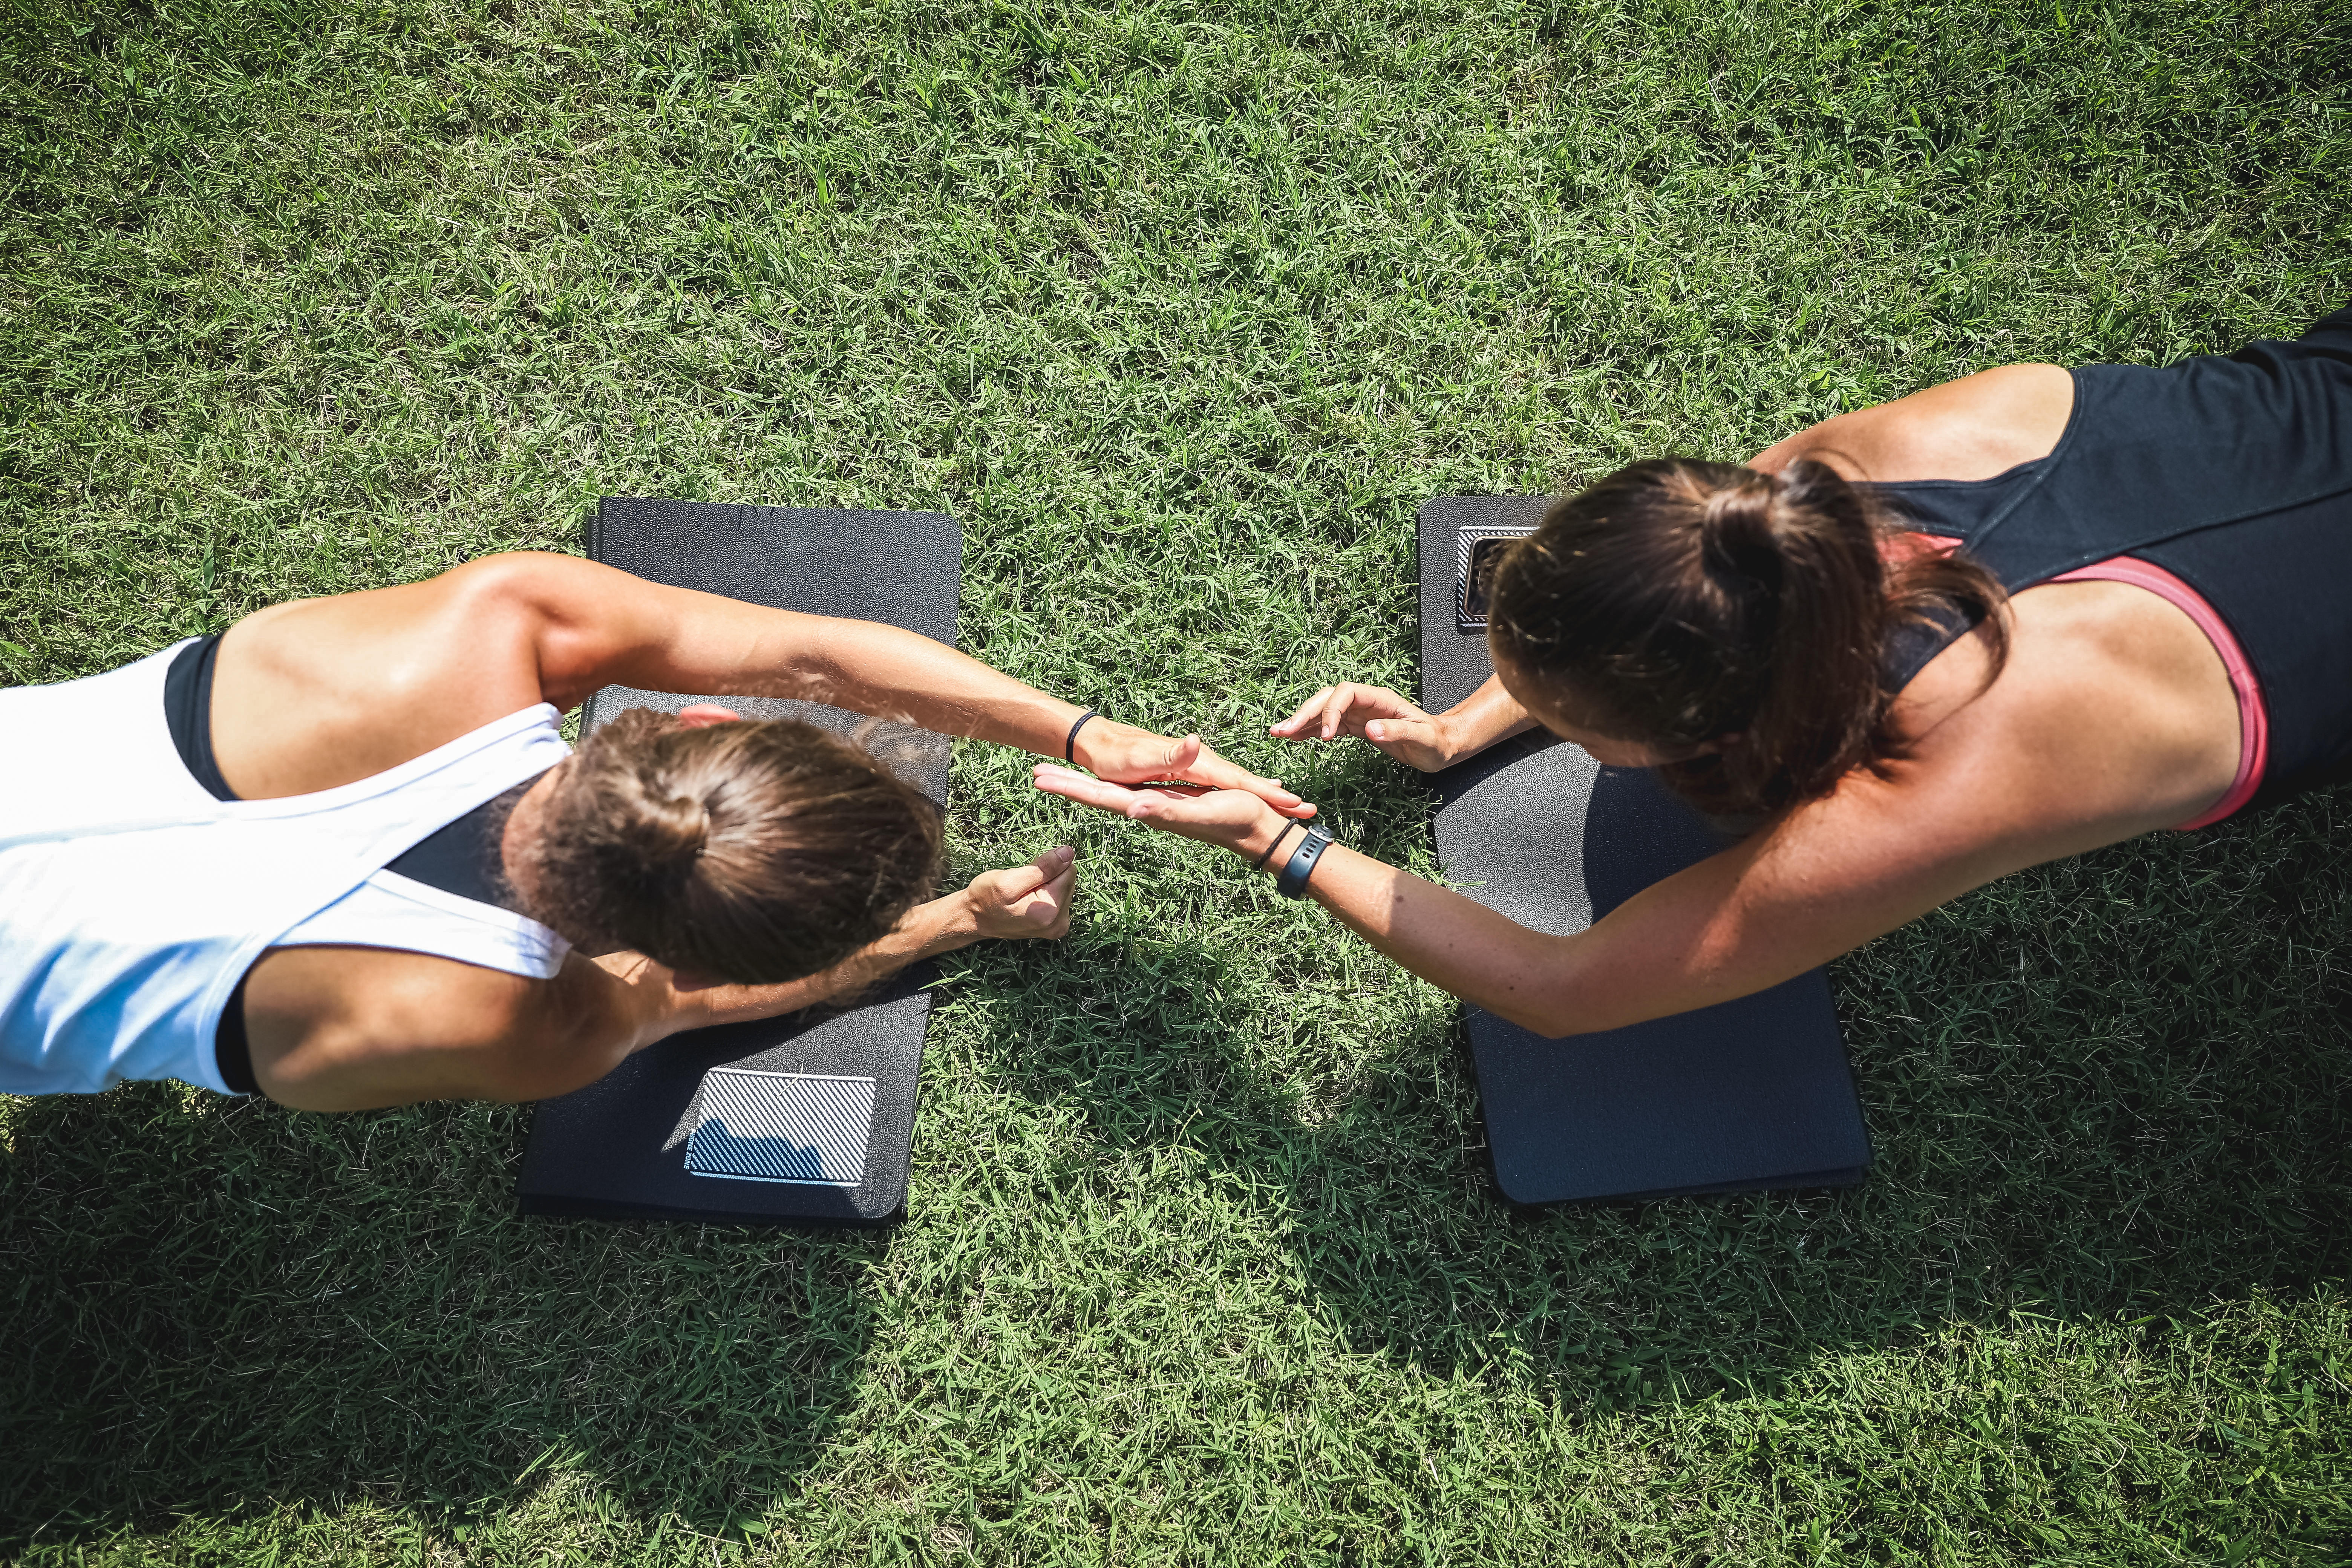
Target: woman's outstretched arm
x,y
1817,884
1022,901
343,1028
593,626
382,676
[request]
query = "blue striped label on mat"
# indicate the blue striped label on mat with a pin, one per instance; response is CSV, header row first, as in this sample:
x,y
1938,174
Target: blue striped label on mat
x,y
756,1126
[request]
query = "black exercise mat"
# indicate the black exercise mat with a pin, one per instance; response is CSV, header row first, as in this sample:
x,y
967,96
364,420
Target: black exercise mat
x,y
1755,1093
798,1105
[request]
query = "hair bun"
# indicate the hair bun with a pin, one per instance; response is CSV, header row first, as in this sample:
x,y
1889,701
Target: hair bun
x,y
678,829
1736,526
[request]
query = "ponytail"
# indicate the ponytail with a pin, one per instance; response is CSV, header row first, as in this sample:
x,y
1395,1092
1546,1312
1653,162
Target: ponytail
x,y
1686,605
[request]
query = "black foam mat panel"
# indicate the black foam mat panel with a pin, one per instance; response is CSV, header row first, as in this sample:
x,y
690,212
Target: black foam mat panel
x,y
617,1149
1750,1094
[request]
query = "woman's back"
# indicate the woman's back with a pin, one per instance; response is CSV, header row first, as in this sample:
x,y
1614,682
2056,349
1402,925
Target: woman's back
x,y
2232,474
133,900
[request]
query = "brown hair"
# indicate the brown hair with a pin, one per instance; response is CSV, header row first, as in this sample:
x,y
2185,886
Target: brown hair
x,y
1678,603
752,852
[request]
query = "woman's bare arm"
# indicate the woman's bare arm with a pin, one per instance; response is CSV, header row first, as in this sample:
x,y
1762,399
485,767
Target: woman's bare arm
x,y
344,1028
1032,900
1739,922
593,626
320,692
1784,901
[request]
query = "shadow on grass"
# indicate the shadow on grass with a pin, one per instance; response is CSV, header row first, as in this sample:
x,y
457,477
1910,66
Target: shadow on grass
x,y
2111,1090
221,1308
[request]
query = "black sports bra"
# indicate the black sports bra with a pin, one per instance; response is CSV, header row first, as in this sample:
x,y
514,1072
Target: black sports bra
x,y
2235,474
463,858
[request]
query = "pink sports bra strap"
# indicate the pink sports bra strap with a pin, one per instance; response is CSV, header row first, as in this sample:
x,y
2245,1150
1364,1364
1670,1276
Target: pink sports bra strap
x,y
2254,717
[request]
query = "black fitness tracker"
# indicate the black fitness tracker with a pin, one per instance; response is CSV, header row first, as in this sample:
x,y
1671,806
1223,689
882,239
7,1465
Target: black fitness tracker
x,y
1292,883
1269,850
1070,746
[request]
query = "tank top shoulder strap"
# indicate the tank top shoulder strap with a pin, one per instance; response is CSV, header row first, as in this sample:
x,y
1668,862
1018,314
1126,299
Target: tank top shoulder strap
x,y
1913,643
446,895
188,712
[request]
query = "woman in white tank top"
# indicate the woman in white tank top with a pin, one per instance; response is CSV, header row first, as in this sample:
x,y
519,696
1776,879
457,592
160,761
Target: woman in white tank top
x,y
269,870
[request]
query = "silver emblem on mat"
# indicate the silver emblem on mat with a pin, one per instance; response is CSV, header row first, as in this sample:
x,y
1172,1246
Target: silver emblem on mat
x,y
753,1126
1470,564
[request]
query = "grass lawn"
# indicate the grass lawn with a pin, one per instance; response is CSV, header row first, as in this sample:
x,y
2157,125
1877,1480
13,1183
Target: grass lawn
x,y
1182,309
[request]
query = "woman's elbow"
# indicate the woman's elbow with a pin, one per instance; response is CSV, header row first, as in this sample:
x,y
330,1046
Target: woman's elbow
x,y
1552,1021
1570,995
1553,1010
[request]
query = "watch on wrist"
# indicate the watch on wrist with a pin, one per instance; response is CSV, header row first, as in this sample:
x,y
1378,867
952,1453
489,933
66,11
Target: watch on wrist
x,y
1292,883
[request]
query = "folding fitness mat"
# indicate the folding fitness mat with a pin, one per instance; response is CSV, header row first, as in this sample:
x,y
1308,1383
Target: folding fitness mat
x,y
1750,1094
808,1119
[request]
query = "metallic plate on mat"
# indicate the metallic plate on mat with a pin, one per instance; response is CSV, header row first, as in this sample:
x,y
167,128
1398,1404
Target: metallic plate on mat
x,y
1477,552
754,1126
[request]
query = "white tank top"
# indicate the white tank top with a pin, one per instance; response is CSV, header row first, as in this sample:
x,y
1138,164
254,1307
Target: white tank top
x,y
131,901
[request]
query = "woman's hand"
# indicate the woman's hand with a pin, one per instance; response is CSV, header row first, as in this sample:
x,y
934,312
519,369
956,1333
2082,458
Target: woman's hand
x,y
1400,728
1032,900
1124,754
1231,818
1021,901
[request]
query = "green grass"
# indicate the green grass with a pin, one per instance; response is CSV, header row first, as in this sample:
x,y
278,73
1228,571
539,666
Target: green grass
x,y
1182,310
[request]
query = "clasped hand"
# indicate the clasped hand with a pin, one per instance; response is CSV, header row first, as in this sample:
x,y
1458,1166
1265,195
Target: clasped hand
x,y
1179,785
1221,805
1122,755
1234,819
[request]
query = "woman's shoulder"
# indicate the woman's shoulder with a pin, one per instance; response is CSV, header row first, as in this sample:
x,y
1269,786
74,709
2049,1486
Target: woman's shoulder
x,y
1972,429
348,1028
2104,722
317,693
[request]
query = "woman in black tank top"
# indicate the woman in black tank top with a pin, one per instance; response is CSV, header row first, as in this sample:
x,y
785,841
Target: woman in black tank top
x,y
1912,649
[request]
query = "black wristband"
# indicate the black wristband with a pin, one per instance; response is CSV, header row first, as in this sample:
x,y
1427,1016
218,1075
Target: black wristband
x,y
1070,746
1268,850
1292,883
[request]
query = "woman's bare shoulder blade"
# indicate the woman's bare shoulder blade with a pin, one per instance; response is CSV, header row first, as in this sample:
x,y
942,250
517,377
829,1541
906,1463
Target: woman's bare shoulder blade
x,y
1972,429
317,693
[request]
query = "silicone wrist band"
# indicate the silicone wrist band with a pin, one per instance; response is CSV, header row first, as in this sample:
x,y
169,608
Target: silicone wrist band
x,y
1292,883
1264,854
1070,746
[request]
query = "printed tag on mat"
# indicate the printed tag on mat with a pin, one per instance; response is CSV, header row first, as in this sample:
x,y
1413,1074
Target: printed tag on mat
x,y
754,1126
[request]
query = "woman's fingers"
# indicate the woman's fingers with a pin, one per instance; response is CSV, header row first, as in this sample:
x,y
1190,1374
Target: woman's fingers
x,y
1122,753
1084,788
1108,793
1054,865
1194,811
1420,742
1046,904
1339,710
1206,767
1027,900
1050,905
1289,729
